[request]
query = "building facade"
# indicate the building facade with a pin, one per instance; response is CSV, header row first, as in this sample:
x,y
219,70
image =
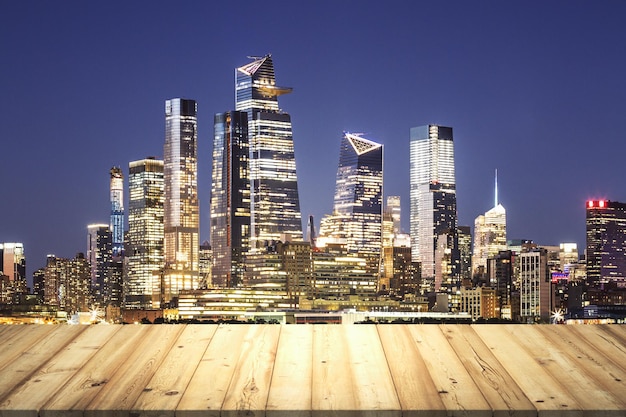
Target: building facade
x,y
606,243
432,195
144,254
181,222
99,257
230,198
535,285
12,272
357,209
274,201
117,211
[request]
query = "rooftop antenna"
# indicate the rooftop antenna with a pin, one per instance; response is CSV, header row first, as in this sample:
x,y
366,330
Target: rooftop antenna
x,y
496,194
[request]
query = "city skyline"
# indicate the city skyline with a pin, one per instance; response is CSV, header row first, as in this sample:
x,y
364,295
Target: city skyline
x,y
527,102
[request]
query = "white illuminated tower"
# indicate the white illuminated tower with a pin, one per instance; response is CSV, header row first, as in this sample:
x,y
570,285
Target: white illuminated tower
x,y
181,217
489,234
274,201
432,196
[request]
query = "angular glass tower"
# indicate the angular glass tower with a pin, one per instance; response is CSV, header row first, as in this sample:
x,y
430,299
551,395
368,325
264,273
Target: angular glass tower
x,y
230,198
432,196
357,212
274,201
181,217
144,254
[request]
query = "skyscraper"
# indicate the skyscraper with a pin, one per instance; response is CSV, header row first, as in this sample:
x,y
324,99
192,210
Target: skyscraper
x,y
432,196
274,201
99,257
606,242
13,268
230,198
357,211
117,211
181,217
489,235
144,254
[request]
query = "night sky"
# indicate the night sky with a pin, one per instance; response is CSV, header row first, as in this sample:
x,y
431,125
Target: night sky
x,y
535,89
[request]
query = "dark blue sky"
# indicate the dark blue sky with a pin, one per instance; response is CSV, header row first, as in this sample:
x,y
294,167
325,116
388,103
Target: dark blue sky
x,y
536,89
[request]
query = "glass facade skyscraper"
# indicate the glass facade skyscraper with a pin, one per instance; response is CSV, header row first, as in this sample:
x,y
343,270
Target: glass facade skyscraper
x,y
606,242
274,201
230,198
99,256
144,254
181,216
357,212
432,196
117,211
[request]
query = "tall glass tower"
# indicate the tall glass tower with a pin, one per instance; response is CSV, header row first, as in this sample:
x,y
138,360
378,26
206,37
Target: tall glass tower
x,y
230,198
144,253
181,217
274,201
433,214
357,212
489,235
117,211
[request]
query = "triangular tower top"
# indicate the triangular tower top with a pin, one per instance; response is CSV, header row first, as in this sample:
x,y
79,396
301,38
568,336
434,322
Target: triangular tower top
x,y
251,68
361,145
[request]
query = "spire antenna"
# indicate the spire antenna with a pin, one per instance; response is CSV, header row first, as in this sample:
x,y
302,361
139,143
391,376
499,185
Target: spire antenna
x,y
496,193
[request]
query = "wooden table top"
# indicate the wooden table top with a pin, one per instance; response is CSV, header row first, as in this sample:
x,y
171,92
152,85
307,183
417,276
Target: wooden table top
x,y
313,370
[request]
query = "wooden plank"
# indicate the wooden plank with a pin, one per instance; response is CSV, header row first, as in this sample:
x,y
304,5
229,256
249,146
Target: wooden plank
x,y
30,396
87,383
603,341
17,339
34,355
290,388
208,387
376,393
165,389
249,387
332,385
348,379
458,391
602,372
132,376
567,371
417,393
548,396
500,390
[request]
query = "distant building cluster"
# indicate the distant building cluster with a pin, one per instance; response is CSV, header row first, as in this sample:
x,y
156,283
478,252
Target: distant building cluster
x,y
258,259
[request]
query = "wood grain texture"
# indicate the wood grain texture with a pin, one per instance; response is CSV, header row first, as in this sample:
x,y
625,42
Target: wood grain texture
x,y
209,385
55,373
23,368
117,397
457,390
417,393
165,389
290,389
313,370
548,396
494,382
75,396
249,387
